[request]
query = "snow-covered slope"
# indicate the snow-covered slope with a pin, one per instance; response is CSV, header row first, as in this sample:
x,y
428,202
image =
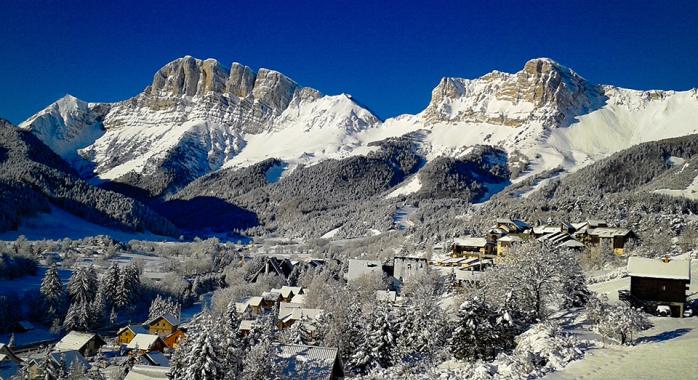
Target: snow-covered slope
x,y
198,116
195,117
67,125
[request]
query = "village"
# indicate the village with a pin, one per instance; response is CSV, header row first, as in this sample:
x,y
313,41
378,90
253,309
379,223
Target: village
x,y
294,310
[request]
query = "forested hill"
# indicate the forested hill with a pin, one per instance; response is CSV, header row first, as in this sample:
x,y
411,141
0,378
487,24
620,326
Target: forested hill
x,y
32,177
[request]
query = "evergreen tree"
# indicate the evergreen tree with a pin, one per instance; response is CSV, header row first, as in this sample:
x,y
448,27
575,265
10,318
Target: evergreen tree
x,y
477,334
80,286
204,357
260,362
53,294
378,342
110,284
231,343
129,286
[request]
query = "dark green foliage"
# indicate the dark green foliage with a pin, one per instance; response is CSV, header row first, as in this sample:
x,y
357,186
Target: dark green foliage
x,y
32,176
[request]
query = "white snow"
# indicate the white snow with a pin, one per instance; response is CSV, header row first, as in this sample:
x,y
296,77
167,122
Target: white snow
x,y
409,186
331,233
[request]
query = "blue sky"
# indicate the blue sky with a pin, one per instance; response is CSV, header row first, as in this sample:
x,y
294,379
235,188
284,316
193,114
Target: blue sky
x,y
388,54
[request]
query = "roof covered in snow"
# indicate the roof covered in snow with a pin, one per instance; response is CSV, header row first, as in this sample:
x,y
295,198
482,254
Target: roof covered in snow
x,y
75,340
358,268
470,242
171,319
306,362
657,268
146,372
510,239
609,232
143,341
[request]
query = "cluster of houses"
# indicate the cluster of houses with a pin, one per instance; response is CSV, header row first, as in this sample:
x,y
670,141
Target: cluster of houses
x,y
479,252
146,348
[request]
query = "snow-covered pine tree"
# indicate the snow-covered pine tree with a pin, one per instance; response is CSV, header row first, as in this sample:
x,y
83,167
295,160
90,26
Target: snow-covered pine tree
x,y
161,306
98,310
129,286
231,343
378,342
80,286
261,361
110,283
475,333
72,317
204,357
53,294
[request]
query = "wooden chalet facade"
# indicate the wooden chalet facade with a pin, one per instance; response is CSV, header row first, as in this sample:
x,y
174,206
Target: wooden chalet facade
x,y
173,340
660,282
126,334
163,325
472,247
616,238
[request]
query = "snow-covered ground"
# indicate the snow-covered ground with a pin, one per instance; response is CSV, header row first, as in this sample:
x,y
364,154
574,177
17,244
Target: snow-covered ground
x,y
29,283
59,224
666,351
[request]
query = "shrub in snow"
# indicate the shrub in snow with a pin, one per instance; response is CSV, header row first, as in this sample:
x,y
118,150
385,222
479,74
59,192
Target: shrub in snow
x,y
544,348
622,322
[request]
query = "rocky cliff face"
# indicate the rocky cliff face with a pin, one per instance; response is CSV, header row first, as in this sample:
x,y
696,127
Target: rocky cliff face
x,y
542,91
194,117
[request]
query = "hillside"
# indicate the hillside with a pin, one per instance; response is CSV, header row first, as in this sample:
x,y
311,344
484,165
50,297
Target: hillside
x,y
32,177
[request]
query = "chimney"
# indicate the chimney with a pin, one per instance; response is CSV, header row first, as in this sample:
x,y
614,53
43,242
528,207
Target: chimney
x,y
665,259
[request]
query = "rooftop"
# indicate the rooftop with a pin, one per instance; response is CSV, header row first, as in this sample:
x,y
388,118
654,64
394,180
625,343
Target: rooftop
x,y
74,340
656,268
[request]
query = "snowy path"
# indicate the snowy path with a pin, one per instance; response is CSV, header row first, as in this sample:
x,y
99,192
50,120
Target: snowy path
x,y
667,351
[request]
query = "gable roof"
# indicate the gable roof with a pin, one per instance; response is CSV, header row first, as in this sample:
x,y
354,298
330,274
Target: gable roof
x,y
358,268
146,372
510,239
656,268
306,362
70,358
470,242
288,312
135,329
171,319
143,341
157,358
246,325
75,340
609,232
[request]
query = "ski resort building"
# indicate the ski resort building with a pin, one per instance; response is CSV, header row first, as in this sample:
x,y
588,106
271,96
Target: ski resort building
x,y
656,282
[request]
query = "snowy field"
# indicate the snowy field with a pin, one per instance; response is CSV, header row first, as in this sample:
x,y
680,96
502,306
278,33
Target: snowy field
x,y
28,283
669,350
666,351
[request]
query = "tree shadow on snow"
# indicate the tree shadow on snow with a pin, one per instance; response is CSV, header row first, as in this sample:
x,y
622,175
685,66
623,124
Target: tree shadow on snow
x,y
664,336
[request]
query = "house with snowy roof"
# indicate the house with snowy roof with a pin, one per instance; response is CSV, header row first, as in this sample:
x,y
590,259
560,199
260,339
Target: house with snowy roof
x,y
292,313
148,372
358,268
163,325
309,362
87,344
617,238
656,282
146,343
472,247
512,226
127,333
70,359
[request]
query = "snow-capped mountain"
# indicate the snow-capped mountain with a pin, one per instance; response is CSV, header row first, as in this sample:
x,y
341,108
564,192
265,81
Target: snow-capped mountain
x,y
198,116
194,117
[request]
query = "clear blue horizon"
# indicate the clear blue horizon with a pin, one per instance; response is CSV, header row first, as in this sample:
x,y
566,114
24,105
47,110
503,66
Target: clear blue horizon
x,y
388,55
